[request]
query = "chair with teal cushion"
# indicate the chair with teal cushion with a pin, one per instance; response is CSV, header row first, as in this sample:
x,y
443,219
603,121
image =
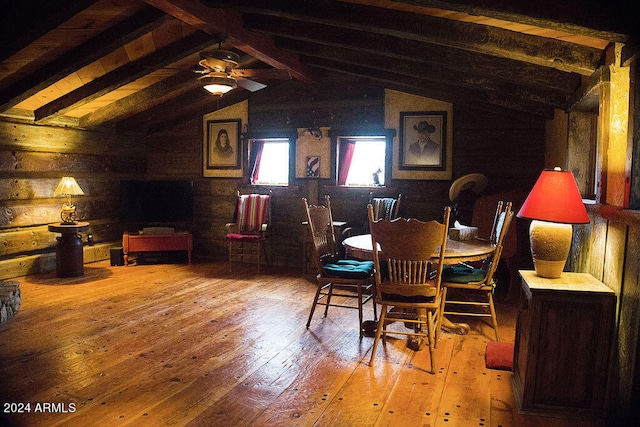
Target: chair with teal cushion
x,y
339,280
349,269
471,280
464,274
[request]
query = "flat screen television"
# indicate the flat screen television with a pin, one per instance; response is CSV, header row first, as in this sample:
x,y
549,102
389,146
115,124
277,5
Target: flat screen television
x,y
156,201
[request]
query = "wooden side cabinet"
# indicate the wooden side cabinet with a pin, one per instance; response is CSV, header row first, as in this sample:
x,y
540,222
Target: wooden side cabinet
x,y
563,335
180,241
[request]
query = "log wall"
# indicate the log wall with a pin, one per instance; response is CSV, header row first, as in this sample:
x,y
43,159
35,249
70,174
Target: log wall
x,y
33,158
32,161
508,150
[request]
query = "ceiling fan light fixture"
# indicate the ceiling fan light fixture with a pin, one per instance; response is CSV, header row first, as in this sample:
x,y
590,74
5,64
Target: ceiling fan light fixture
x,y
219,85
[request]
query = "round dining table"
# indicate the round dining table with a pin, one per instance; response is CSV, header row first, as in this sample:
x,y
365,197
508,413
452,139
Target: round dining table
x,y
457,251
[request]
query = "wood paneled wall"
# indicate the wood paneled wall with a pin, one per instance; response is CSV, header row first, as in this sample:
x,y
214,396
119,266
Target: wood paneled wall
x,y
609,248
32,161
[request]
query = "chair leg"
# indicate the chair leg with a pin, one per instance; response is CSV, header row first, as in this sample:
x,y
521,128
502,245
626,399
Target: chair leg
x,y
230,254
375,308
494,318
360,307
259,252
264,253
443,302
379,329
329,295
315,302
431,325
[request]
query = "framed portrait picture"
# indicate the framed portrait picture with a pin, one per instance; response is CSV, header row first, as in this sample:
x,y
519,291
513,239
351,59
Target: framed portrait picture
x,y
222,145
423,141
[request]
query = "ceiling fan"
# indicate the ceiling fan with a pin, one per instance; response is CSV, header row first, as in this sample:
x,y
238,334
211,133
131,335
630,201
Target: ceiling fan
x,y
220,75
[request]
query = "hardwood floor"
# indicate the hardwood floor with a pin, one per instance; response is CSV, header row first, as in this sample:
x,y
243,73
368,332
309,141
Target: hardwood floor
x,y
153,345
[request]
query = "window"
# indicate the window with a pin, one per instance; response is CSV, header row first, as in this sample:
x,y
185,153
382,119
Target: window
x,y
269,161
361,160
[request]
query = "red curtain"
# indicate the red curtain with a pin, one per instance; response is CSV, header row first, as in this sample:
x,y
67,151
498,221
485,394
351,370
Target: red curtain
x,y
254,161
347,147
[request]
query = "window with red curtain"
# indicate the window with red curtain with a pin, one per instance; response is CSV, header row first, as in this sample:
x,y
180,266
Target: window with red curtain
x,y
254,162
345,156
269,161
361,160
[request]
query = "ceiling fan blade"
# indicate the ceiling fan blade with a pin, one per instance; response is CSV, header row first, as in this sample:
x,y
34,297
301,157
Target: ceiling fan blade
x,y
262,73
250,85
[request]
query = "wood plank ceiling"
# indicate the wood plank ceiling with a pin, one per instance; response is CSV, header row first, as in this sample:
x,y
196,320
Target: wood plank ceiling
x,y
128,64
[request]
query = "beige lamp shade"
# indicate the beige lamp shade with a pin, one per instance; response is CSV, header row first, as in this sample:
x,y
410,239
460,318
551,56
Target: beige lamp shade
x,y
68,187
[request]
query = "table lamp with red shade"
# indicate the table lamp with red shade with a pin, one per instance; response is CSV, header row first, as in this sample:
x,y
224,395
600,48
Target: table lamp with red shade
x,y
554,204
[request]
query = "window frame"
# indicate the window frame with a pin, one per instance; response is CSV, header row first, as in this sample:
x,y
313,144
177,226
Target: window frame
x,y
388,134
249,137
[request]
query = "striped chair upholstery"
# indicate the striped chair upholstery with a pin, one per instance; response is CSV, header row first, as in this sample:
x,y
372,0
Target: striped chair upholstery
x,y
384,208
247,233
252,213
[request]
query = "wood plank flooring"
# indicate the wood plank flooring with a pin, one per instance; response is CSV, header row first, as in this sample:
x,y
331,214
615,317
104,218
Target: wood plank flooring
x,y
155,345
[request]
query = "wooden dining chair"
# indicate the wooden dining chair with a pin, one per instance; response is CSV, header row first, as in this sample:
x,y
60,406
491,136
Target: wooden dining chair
x,y
248,231
383,208
408,277
477,283
339,280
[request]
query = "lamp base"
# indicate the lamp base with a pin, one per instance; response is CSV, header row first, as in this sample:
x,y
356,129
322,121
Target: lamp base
x,y
548,269
68,214
550,245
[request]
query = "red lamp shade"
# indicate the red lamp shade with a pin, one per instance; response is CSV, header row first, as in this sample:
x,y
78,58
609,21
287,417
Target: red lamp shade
x,y
555,198
553,204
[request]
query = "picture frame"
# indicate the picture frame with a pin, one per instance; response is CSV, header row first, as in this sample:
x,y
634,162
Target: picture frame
x,y
217,154
423,141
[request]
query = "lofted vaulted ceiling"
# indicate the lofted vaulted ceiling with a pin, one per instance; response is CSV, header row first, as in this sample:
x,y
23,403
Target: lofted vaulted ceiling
x,y
128,64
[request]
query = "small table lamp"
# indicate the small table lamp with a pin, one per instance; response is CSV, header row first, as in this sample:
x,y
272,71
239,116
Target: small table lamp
x,y
68,187
553,204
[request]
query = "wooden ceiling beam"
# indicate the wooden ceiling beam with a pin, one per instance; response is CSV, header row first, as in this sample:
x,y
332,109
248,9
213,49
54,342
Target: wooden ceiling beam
x,y
197,107
195,13
434,73
402,50
142,119
412,26
178,106
444,92
125,74
142,100
75,59
24,21
174,112
609,20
